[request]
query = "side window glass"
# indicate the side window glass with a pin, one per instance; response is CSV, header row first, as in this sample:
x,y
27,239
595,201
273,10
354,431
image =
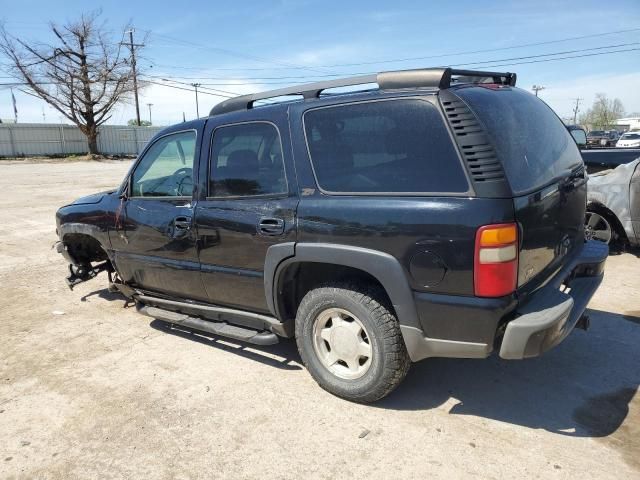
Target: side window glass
x,y
246,160
166,170
398,146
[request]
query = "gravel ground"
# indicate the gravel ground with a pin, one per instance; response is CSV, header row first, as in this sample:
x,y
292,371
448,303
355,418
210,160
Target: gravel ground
x,y
89,388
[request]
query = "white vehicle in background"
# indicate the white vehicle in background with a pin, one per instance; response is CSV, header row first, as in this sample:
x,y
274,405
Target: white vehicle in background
x,y
629,140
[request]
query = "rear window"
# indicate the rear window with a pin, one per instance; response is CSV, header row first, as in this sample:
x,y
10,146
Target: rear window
x,y
532,143
399,146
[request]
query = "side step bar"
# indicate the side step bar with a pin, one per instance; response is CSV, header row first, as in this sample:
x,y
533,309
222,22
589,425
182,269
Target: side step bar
x,y
253,321
217,328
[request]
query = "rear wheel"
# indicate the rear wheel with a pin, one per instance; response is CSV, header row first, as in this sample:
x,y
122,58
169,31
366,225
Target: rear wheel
x,y
350,341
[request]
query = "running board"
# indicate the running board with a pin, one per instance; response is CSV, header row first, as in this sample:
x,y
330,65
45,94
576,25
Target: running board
x,y
217,328
214,313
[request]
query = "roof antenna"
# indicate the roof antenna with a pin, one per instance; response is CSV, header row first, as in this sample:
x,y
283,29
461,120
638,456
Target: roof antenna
x,y
183,119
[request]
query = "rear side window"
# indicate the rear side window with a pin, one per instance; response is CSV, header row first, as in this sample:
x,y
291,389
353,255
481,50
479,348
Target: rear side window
x,y
246,160
532,143
396,146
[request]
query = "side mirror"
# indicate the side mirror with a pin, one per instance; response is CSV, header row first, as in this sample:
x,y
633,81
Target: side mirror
x,y
580,137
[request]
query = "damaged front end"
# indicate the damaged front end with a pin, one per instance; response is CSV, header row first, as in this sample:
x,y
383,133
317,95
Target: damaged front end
x,y
80,256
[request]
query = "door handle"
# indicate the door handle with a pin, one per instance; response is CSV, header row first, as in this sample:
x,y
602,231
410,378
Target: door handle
x,y
271,226
181,226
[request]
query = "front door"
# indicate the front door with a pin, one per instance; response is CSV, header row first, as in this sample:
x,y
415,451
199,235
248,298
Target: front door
x,y
155,243
250,205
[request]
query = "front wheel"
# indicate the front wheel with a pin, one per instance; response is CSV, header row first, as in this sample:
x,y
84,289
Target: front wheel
x,y
350,341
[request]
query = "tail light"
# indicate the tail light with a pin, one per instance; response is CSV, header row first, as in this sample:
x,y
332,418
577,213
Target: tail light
x,y
496,260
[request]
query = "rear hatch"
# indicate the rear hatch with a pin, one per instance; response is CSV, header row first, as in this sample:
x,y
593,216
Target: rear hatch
x,y
546,175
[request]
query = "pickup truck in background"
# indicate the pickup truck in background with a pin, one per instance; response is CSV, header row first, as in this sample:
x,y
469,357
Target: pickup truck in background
x,y
613,193
602,138
599,159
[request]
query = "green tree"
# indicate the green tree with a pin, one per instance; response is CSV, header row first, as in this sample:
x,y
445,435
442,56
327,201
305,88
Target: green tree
x,y
143,123
603,113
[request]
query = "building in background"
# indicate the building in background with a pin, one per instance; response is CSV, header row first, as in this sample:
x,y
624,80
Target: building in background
x,y
629,123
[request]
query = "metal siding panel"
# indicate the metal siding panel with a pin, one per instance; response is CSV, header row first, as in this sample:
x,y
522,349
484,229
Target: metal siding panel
x,y
5,141
52,139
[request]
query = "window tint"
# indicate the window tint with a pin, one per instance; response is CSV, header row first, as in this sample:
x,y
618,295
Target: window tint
x,y
530,140
166,170
246,160
399,146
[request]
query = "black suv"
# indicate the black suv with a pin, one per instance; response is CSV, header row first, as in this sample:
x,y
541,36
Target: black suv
x,y
440,214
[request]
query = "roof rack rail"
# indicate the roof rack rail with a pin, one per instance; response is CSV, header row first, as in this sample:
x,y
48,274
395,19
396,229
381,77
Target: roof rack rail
x,y
419,78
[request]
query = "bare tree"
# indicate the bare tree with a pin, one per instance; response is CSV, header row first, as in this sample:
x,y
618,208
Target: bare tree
x,y
83,74
603,113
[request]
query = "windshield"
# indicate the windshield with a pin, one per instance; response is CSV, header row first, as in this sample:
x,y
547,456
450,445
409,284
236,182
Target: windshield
x,y
596,133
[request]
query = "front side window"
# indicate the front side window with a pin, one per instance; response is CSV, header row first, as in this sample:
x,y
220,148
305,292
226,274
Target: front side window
x,y
399,146
246,160
166,170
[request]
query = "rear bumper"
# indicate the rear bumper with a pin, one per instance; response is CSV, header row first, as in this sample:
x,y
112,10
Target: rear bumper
x,y
550,314
466,327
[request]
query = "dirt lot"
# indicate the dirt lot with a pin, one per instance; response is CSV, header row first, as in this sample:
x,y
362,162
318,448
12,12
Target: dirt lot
x,y
89,388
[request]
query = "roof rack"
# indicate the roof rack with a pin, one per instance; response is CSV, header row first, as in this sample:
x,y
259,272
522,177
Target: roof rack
x,y
419,78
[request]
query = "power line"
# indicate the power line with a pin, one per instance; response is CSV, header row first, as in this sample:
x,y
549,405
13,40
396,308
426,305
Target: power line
x,y
188,89
231,94
168,78
443,55
333,75
563,58
239,82
548,42
188,43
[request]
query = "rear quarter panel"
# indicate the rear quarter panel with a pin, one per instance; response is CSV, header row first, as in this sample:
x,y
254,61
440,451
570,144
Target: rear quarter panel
x,y
404,227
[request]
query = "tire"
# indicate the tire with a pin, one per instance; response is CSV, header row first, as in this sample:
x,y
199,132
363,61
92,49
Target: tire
x,y
602,225
339,311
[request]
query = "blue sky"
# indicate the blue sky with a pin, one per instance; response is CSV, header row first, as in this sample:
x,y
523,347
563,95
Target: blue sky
x,y
244,47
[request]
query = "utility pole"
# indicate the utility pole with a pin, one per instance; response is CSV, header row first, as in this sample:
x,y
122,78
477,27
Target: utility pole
x,y
576,109
537,88
15,106
135,77
150,105
196,85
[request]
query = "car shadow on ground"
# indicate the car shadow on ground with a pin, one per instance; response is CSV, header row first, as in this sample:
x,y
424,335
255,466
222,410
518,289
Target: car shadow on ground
x,y
282,355
105,294
581,388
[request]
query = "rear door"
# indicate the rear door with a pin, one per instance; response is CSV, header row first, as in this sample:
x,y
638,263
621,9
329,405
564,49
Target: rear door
x,y
250,205
545,172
